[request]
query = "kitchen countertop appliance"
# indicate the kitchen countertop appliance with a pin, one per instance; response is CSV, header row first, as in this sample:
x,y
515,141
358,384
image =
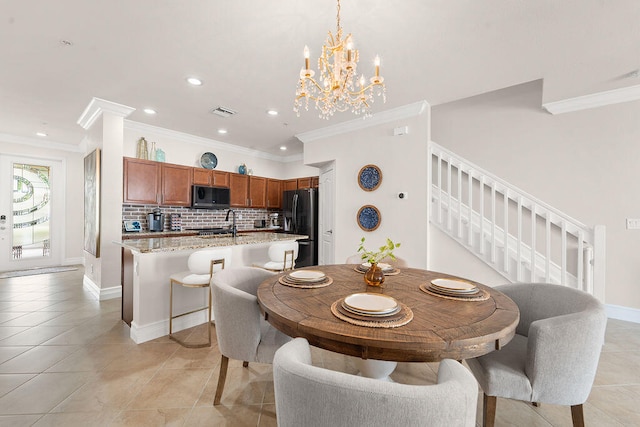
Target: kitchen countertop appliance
x,y
274,220
300,210
156,220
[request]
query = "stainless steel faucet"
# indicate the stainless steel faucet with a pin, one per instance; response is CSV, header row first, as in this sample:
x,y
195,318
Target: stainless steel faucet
x,y
234,230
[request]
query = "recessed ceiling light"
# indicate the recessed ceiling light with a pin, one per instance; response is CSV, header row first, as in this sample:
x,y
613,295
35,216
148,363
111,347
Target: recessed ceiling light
x,y
194,81
283,148
41,134
149,111
272,112
222,131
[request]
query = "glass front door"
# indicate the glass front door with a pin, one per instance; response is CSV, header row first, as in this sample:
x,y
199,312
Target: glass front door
x,y
26,213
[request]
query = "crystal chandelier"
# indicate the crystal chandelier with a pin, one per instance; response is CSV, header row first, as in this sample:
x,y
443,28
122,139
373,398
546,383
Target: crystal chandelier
x,y
335,90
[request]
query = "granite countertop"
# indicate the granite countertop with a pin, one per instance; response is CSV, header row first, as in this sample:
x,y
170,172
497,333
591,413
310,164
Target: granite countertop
x,y
169,244
146,234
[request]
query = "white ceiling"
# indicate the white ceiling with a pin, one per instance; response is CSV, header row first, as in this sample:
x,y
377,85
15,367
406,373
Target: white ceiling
x,y
249,53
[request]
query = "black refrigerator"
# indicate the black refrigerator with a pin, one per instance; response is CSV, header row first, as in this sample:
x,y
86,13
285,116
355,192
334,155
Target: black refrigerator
x,y
300,210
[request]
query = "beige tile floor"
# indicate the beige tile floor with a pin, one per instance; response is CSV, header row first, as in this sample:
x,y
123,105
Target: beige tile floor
x,y
66,359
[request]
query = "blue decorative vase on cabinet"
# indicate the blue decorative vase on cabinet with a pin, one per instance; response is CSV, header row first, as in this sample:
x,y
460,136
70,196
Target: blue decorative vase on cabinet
x,y
242,169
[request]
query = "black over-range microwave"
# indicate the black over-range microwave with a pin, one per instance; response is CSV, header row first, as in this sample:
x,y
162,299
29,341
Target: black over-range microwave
x,y
203,197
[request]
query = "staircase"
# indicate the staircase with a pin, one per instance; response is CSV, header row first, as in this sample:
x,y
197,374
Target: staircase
x,y
519,236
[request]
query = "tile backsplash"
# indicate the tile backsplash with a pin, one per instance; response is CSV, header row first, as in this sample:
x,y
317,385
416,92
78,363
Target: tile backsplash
x,y
196,218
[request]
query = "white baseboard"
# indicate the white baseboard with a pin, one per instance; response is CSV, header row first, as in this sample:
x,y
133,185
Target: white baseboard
x,y
73,261
101,294
140,334
623,313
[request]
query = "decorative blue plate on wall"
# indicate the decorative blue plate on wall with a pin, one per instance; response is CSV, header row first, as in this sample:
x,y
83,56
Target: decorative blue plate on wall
x,y
209,160
368,218
369,177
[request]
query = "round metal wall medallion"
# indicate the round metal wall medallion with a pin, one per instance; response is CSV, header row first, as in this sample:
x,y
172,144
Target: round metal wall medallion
x,y
368,218
369,177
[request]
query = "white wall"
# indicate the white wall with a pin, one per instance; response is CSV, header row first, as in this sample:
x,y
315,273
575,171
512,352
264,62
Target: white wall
x,y
403,162
584,163
184,149
74,192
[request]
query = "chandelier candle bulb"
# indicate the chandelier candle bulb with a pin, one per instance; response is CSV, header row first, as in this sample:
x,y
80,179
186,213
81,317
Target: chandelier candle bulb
x,y
306,57
376,61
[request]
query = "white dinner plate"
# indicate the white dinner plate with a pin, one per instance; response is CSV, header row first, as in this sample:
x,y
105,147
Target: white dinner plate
x,y
368,314
454,285
371,303
307,275
383,266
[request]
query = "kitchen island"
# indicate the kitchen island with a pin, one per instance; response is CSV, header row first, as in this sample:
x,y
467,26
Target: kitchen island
x,y
147,264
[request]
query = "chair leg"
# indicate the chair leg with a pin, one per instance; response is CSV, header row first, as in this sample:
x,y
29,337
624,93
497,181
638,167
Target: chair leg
x,y
577,415
224,363
489,409
170,308
245,364
209,320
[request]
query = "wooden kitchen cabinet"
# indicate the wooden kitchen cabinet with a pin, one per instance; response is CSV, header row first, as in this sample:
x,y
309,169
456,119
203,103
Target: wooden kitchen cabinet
x,y
274,193
141,181
202,177
315,180
220,179
247,191
239,190
257,192
153,183
290,184
176,185
304,182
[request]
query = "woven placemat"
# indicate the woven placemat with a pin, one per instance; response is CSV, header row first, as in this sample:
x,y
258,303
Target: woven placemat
x,y
393,272
482,295
404,316
288,282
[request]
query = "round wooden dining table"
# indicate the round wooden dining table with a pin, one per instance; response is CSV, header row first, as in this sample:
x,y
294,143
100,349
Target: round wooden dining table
x,y
441,328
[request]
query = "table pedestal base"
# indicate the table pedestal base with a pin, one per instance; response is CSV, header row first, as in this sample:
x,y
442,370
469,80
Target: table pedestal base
x,y
378,369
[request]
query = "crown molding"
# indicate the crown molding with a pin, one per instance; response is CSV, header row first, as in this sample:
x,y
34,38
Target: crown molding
x,y
599,99
404,112
37,142
98,106
207,142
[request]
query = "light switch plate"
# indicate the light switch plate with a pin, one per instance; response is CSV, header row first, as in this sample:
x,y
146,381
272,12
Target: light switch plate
x,y
633,223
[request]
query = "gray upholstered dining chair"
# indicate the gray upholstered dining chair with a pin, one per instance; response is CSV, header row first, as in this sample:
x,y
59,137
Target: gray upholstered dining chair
x,y
397,263
241,331
310,396
554,355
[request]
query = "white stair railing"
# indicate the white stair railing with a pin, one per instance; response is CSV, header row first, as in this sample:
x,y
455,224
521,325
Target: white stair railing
x,y
521,237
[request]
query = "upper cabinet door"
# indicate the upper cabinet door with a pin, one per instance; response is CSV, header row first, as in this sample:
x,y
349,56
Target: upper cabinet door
x,y
304,182
257,192
176,185
290,184
220,179
141,181
274,193
202,177
239,190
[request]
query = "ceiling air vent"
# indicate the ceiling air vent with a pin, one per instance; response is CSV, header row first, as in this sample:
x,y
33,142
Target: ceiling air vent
x,y
223,112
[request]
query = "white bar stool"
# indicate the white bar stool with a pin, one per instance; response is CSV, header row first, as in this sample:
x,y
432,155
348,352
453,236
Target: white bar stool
x,y
282,257
202,265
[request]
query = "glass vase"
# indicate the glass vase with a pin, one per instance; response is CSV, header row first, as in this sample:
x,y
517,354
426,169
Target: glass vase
x,y
374,275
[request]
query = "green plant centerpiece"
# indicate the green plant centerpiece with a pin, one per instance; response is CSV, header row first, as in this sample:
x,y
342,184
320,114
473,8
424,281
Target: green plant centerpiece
x,y
374,276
